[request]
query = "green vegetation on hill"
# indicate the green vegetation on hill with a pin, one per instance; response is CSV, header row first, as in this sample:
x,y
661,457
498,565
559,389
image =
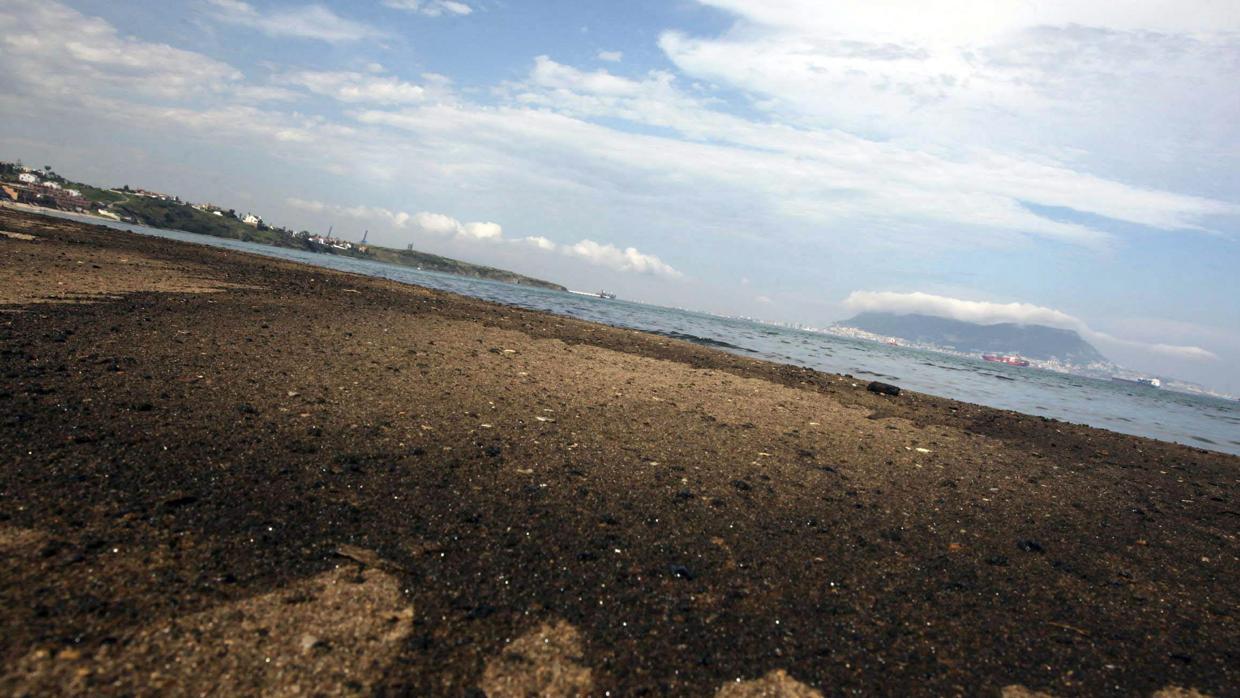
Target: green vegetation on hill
x,y
174,215
97,195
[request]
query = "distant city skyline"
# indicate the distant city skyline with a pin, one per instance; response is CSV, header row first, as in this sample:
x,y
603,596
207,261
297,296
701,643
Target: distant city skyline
x,y
1068,164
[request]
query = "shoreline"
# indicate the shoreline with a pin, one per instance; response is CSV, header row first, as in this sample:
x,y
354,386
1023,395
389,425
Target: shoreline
x,y
233,431
1190,438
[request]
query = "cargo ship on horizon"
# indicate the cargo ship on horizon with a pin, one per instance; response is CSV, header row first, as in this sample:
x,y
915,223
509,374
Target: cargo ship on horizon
x,y
1009,359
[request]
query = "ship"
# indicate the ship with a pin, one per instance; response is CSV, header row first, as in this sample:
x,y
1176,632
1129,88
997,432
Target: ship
x,y
606,295
1147,382
1009,359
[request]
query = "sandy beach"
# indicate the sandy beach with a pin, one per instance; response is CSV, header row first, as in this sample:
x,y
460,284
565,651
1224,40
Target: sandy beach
x,y
230,473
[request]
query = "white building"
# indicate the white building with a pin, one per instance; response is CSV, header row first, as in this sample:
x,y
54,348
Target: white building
x,y
52,185
251,219
73,192
27,178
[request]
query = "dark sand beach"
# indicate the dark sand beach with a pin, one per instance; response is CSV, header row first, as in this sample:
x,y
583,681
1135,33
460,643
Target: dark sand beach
x,y
228,473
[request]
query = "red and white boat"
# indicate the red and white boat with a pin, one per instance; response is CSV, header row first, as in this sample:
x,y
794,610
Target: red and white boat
x,y
1009,359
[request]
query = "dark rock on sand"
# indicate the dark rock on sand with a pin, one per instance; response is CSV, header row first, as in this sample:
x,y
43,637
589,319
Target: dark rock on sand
x,y
883,388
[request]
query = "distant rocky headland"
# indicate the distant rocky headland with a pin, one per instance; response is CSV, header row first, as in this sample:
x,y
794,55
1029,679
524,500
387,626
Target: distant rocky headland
x,y
1029,341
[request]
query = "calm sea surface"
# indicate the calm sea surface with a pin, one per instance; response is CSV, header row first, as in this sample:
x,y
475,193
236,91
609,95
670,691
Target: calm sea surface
x,y
1131,409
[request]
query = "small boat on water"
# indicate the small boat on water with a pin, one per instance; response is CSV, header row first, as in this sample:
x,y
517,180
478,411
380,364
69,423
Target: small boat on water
x,y
1009,359
1147,382
608,296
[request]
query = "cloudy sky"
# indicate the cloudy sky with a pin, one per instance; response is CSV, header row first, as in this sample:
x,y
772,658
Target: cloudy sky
x,y
1070,162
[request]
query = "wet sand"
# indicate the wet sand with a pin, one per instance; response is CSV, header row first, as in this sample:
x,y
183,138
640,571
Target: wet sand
x,y
235,473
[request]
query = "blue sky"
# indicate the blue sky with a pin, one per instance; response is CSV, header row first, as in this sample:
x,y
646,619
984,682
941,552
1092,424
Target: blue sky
x,y
1073,163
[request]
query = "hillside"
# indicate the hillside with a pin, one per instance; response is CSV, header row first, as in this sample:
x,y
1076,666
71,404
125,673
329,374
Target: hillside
x,y
1030,341
173,215
180,216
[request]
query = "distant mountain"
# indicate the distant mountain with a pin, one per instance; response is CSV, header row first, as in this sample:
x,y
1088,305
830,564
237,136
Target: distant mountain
x,y
1030,341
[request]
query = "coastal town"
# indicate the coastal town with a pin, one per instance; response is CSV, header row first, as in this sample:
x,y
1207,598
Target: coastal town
x,y
44,188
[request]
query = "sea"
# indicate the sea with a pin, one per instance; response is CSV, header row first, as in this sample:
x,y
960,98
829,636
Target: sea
x,y
1196,420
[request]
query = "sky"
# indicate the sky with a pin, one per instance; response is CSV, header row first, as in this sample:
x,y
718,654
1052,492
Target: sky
x,y
1066,162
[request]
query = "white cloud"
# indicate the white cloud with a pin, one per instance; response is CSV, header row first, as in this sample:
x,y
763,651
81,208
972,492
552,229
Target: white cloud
x,y
357,88
442,225
57,52
960,20
264,93
430,8
435,224
611,56
988,313
1066,79
539,242
982,189
316,22
813,178
484,231
978,312
628,259
550,74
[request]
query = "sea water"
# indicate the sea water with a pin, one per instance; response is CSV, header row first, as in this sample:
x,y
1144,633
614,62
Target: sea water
x,y
1201,421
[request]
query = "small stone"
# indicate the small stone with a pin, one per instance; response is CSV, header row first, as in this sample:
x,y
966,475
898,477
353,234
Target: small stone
x,y
1029,546
883,388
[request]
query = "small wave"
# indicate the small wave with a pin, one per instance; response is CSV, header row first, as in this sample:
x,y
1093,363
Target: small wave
x,y
704,341
1203,440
